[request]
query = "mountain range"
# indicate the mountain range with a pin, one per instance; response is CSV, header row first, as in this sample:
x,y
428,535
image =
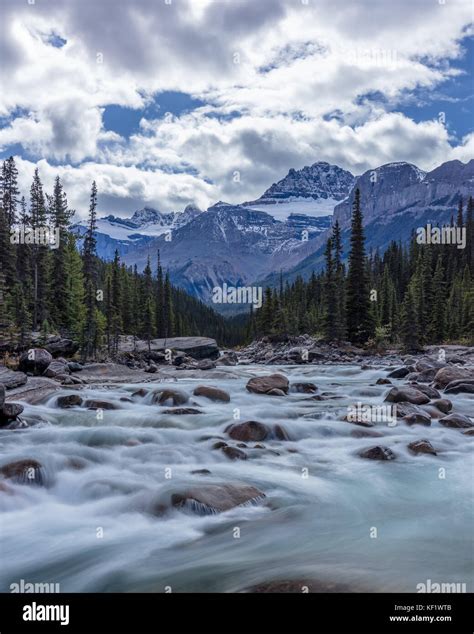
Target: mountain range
x,y
287,227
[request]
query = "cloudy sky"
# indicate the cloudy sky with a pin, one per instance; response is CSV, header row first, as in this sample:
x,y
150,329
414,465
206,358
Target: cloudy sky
x,y
167,102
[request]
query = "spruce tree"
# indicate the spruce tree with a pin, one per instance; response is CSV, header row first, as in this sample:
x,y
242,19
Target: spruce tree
x,y
90,336
360,326
40,253
438,322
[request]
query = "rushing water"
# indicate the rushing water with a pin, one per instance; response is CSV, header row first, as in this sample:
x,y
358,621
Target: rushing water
x,y
319,527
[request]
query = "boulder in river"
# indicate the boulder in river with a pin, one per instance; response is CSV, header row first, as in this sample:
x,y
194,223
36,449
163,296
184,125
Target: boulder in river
x,y
377,453
422,446
35,361
417,418
10,411
69,400
250,431
443,404
457,421
429,391
264,384
383,381
303,388
406,394
216,498
212,393
94,404
56,368
25,471
399,373
450,373
460,386
170,397
234,454
182,411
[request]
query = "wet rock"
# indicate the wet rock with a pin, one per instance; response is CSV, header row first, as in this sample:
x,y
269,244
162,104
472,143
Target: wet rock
x,y
74,366
182,411
404,409
93,404
383,381
276,392
201,472
443,404
35,361
377,453
151,369
242,445
406,394
399,373
457,421
141,393
69,400
228,358
259,446
460,386
430,392
263,384
249,431
420,418
2,395
219,445
216,498
25,471
76,463
11,380
468,432
10,411
450,373
304,388
422,446
170,397
212,393
281,433
205,364
59,346
234,454
365,433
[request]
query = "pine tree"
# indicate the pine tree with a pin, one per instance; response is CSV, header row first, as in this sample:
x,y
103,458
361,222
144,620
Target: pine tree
x,y
60,216
409,324
90,336
116,302
360,325
438,322
168,308
160,300
330,294
40,253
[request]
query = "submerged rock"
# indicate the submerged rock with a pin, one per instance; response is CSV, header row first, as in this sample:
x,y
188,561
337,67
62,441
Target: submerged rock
x,y
249,431
182,411
93,404
444,405
170,397
25,471
383,381
418,418
216,498
304,388
457,421
263,384
406,394
233,453
69,400
377,453
430,392
212,393
422,446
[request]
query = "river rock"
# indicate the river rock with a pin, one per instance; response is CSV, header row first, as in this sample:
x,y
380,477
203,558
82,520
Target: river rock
x,y
201,472
377,453
10,411
234,454
25,471
399,373
383,381
460,386
444,405
276,392
422,446
457,421
170,397
74,366
304,388
10,380
212,393
56,368
35,361
406,394
69,400
182,411
365,433
93,404
216,498
249,431
450,373
59,346
419,418
264,384
2,395
430,392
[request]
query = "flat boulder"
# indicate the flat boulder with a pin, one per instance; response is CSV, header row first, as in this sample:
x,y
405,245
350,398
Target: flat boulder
x,y
182,411
446,375
35,361
25,471
406,394
457,421
216,498
421,446
212,393
93,404
195,347
264,384
377,453
11,380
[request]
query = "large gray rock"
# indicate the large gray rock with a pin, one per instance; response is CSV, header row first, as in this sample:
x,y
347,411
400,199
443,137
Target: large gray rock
x,y
407,394
10,379
216,498
35,361
58,346
196,347
447,375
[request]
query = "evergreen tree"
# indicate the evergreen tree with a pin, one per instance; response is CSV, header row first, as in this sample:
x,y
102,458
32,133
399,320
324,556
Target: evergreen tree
x,y
409,324
40,253
168,308
90,337
360,324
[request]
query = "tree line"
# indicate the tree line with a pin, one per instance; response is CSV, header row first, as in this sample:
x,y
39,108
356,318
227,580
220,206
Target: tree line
x,y
69,290
413,294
